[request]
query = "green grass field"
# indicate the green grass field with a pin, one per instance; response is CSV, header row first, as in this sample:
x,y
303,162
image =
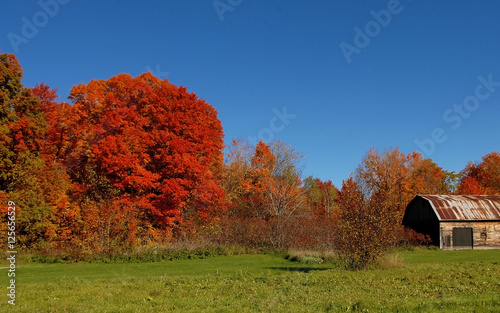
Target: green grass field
x,y
410,281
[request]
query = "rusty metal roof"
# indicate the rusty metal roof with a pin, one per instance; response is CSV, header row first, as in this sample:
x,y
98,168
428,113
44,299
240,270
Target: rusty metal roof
x,y
462,207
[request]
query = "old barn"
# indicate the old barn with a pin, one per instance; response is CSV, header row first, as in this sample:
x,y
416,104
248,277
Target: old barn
x,y
456,221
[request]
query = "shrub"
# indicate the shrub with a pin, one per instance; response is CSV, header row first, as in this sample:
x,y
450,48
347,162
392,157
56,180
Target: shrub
x,y
365,227
411,238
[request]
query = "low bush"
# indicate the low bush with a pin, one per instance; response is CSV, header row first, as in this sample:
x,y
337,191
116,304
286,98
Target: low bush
x,y
312,257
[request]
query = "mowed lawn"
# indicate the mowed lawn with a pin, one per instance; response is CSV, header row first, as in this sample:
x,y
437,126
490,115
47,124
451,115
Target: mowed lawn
x,y
411,281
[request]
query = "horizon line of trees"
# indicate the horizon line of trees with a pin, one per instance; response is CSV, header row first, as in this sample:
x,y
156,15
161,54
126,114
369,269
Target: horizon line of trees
x,y
139,161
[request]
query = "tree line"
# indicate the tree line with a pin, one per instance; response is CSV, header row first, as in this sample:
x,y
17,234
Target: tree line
x,y
137,161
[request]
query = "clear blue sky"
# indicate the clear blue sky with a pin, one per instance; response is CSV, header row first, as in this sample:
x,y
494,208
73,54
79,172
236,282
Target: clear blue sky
x,y
251,59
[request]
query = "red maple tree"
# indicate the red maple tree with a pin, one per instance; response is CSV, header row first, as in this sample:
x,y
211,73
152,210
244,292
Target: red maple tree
x,y
148,142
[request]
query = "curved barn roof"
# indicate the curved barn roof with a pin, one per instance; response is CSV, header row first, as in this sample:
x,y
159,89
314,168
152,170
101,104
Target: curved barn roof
x,y
462,207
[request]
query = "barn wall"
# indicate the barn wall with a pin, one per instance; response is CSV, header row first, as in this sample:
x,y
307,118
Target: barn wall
x,y
485,234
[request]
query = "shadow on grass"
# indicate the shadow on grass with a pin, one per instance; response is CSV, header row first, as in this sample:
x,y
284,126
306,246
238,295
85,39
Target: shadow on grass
x,y
302,269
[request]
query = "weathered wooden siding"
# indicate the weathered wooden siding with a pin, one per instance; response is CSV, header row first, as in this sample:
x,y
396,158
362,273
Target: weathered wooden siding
x,y
484,234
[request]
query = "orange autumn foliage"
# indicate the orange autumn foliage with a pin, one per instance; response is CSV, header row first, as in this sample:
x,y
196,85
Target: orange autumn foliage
x,y
482,177
397,178
469,186
138,161
150,143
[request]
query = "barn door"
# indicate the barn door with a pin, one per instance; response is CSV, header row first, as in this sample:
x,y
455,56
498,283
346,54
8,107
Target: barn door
x,y
462,237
